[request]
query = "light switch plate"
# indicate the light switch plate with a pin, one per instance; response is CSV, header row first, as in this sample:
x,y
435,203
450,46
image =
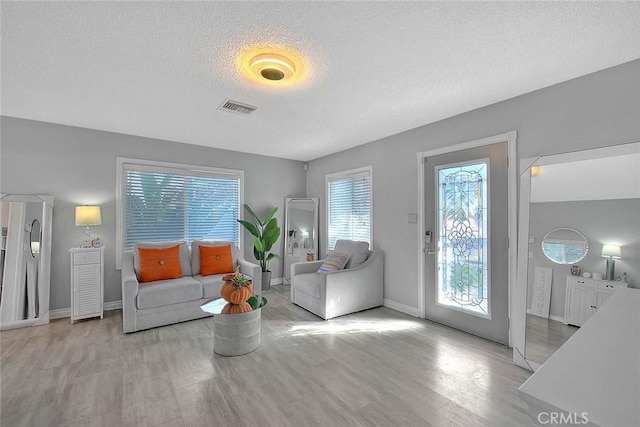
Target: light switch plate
x,y
413,218
532,239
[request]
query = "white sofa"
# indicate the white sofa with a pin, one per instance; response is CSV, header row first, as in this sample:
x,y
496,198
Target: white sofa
x,y
352,289
163,302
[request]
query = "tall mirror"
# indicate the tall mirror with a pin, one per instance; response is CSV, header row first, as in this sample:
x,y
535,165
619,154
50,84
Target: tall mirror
x,y
570,206
25,260
301,232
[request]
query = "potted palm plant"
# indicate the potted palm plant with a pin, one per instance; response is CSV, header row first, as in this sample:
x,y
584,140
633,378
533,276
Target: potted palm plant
x,y
265,233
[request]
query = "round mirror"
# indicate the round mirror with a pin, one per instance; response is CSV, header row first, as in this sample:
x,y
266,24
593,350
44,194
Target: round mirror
x,y
34,237
565,246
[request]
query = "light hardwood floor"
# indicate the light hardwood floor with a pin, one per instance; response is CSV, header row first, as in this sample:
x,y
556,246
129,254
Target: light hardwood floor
x,y
545,337
374,368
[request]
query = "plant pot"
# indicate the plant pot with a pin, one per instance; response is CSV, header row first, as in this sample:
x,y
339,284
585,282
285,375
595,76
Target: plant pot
x,y
266,280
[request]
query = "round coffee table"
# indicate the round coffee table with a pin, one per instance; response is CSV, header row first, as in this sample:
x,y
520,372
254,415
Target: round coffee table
x,y
233,334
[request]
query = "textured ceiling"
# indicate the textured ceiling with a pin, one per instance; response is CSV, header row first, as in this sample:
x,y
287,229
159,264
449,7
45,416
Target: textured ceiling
x,y
372,69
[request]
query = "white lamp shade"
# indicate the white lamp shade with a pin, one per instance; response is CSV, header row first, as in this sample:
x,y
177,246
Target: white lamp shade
x,y
611,251
88,215
305,234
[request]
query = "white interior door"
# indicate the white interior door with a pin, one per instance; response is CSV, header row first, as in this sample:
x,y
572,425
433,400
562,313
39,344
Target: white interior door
x,y
467,223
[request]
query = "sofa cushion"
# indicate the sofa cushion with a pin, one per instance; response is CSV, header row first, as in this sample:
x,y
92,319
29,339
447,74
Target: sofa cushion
x,y
211,285
195,253
185,264
167,292
359,251
159,263
309,283
215,260
333,262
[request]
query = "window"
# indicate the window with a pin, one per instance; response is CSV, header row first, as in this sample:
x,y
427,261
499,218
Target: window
x,y
168,201
349,206
462,237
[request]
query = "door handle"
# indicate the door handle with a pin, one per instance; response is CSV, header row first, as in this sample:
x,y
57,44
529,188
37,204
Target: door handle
x,y
427,243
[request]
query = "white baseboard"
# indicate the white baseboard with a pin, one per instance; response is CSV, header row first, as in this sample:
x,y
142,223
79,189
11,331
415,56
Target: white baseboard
x,y
277,281
406,309
551,316
66,312
59,313
112,305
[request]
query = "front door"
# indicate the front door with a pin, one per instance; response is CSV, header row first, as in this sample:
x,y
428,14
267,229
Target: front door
x,y
467,259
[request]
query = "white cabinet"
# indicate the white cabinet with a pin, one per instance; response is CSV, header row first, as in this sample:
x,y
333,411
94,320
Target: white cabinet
x,y
87,283
584,296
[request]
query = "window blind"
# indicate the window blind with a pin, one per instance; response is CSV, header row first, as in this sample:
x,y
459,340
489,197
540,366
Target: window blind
x,y
349,207
179,204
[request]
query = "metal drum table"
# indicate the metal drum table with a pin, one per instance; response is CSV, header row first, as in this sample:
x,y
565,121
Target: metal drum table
x,y
234,334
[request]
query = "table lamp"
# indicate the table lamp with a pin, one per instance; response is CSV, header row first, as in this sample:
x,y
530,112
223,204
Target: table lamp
x,y
87,216
611,253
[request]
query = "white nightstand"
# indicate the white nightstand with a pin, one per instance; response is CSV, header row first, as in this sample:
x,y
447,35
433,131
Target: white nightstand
x,y
87,283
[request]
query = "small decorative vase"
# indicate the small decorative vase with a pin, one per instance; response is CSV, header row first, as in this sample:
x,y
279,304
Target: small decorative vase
x,y
309,256
575,270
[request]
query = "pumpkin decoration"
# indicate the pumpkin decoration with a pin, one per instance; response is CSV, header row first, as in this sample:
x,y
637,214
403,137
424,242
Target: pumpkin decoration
x,y
237,288
236,295
236,308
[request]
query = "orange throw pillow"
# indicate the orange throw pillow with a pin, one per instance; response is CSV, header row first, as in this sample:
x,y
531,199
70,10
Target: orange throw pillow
x,y
215,260
159,264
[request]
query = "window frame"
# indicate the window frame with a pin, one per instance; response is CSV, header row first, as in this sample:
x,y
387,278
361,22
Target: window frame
x,y
161,166
348,174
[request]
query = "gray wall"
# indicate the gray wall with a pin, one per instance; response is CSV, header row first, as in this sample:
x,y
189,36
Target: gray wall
x,y
596,110
601,221
78,166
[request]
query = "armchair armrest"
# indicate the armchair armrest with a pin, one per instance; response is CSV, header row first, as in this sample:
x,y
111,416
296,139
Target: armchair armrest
x,y
303,268
253,270
356,288
129,292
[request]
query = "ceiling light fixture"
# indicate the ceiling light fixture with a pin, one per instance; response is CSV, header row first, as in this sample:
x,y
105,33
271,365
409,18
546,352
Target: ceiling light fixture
x,y
272,67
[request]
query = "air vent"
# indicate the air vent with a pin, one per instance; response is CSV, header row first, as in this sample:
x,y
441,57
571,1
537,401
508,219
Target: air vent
x,y
237,107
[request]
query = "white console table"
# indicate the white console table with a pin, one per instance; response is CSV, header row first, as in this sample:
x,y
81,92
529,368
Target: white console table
x,y
585,296
87,283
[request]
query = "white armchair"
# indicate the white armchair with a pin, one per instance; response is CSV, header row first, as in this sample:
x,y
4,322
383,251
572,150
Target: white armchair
x,y
341,292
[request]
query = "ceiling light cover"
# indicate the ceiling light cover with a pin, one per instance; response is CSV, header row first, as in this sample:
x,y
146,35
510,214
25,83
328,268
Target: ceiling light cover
x,y
272,65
